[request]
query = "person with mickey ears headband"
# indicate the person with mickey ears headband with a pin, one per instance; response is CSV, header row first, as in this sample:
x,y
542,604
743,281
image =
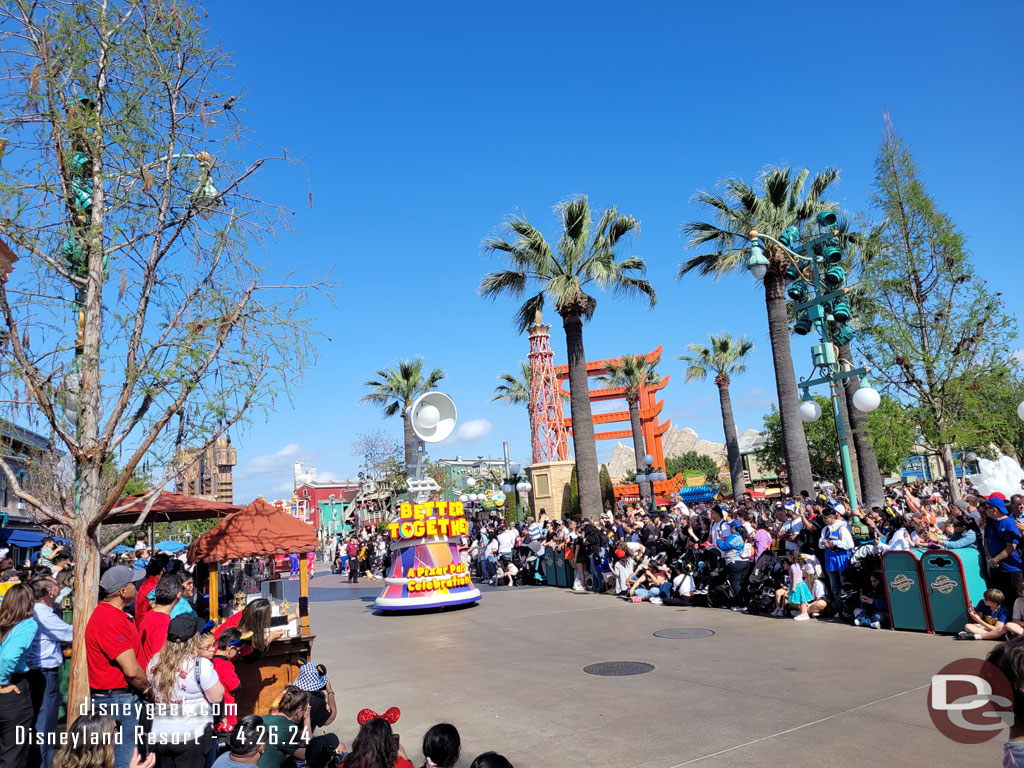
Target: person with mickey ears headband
x,y
185,689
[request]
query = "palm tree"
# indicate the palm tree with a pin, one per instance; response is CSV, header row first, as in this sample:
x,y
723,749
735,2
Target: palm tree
x,y
515,391
395,389
724,356
634,372
778,203
584,259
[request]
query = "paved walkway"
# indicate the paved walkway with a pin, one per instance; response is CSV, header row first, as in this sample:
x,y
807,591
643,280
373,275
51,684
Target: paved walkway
x,y
508,673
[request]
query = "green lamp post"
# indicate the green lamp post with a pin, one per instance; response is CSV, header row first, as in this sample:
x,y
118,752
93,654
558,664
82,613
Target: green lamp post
x,y
818,291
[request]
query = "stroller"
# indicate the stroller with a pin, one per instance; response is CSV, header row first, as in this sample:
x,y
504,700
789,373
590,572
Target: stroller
x,y
527,558
714,577
766,576
864,561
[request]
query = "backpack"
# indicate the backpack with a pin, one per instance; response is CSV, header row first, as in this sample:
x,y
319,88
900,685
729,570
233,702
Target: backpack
x,y
592,537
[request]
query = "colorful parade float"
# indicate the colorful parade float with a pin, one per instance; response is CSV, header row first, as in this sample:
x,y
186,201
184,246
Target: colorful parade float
x,y
426,569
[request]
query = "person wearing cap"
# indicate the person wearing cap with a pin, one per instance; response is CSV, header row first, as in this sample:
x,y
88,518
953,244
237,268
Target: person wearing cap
x,y
732,545
313,679
112,649
185,688
1002,543
836,543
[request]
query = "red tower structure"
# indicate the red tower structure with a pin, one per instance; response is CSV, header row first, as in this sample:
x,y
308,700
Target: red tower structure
x,y
547,420
650,406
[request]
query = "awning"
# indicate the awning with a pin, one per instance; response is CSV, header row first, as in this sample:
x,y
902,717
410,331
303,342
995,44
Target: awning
x,y
169,508
257,529
13,537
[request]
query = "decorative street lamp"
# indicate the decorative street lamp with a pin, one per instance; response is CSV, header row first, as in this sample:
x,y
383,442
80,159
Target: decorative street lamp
x,y
647,474
818,291
520,484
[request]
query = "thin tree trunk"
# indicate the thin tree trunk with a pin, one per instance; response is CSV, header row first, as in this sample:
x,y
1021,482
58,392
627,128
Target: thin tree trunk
x,y
583,442
867,462
639,450
798,461
949,470
732,441
845,408
87,579
410,444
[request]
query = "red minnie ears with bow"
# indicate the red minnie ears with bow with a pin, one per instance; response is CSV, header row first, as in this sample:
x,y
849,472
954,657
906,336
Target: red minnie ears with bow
x,y
391,715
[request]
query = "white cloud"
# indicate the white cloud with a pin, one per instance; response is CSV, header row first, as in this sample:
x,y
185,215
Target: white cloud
x,y
273,463
469,432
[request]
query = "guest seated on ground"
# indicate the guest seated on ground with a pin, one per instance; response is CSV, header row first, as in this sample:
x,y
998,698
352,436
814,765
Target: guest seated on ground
x,y
505,576
623,571
653,584
375,747
874,605
819,595
442,746
987,619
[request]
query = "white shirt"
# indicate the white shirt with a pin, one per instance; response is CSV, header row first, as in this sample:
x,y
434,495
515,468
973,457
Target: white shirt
x,y
818,590
492,548
188,712
719,530
792,526
506,541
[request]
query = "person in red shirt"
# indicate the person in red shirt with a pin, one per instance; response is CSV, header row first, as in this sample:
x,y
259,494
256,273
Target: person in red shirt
x,y
153,630
224,662
112,652
154,571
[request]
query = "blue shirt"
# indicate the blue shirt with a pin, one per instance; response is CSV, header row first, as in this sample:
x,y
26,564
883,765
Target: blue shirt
x,y
180,607
999,533
15,648
994,617
966,539
46,652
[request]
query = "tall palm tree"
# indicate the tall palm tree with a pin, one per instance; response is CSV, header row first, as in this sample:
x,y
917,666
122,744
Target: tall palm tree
x,y
515,391
724,356
584,259
779,202
395,389
634,372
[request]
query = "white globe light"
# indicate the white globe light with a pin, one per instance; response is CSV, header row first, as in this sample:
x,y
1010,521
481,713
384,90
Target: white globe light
x,y
470,481
506,488
641,477
866,399
809,411
759,271
522,487
428,416
515,469
661,476
529,487
1020,411
463,498
648,460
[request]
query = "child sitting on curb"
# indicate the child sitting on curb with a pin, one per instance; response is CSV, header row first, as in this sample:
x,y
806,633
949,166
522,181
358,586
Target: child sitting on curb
x,y
987,619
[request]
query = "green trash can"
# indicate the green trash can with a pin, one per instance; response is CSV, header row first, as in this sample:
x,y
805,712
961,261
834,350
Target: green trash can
x,y
560,569
548,566
945,591
907,608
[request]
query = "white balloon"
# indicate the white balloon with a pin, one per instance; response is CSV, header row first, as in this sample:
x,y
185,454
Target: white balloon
x,y
866,399
428,416
470,481
809,410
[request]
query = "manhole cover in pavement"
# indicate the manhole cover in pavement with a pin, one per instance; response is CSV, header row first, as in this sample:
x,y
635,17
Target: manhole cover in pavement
x,y
618,668
686,633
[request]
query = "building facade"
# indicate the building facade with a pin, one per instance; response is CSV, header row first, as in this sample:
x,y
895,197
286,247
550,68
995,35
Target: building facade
x,y
18,446
207,474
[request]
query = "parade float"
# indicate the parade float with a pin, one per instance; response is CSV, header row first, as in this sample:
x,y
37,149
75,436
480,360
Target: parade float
x,y
426,569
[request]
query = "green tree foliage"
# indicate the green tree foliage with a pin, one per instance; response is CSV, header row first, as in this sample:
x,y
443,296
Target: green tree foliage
x,y
692,463
607,489
933,327
574,494
821,443
893,433
394,390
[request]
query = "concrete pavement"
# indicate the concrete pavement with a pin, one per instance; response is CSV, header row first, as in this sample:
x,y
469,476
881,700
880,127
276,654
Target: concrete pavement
x,y
508,673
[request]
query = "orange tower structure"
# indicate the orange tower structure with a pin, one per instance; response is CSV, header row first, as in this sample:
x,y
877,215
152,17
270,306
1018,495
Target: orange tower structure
x,y
650,407
547,420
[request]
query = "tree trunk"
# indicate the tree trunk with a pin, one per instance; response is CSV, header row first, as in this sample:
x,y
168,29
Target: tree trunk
x,y
87,579
583,442
870,476
639,450
949,470
845,408
410,444
798,461
732,441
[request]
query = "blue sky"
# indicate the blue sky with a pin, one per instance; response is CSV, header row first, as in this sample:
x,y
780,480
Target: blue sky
x,y
423,126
